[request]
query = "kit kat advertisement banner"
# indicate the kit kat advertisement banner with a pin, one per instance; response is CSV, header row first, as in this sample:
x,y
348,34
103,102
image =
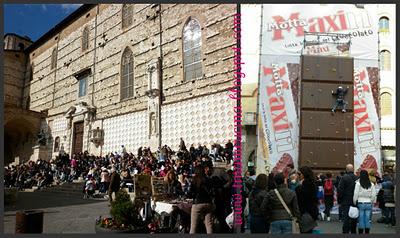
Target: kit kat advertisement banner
x,y
283,31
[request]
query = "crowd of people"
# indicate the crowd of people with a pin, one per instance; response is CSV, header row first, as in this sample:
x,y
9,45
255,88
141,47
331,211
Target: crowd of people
x,y
274,200
278,199
64,168
185,172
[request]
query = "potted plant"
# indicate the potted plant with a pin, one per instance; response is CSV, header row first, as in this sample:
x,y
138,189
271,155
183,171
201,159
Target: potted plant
x,y
124,217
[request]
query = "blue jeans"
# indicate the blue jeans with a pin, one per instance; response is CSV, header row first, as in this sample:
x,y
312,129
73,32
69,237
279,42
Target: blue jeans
x,y
281,227
365,215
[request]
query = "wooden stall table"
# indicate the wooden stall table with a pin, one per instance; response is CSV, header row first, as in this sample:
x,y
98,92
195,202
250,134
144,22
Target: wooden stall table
x,y
169,206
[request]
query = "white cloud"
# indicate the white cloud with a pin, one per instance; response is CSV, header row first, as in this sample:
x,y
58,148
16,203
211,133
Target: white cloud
x,y
70,7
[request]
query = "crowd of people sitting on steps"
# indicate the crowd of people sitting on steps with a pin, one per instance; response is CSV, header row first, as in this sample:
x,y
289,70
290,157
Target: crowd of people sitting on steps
x,y
98,169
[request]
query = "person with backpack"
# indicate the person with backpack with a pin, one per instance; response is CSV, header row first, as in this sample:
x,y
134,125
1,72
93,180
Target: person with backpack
x,y
328,195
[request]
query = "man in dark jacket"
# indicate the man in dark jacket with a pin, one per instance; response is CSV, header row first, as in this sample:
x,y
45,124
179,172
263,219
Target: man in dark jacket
x,y
388,210
229,151
345,199
115,183
337,182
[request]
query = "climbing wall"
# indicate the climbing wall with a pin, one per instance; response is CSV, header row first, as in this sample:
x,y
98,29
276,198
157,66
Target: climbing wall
x,y
326,139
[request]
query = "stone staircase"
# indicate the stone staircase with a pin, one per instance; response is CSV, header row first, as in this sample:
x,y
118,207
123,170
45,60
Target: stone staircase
x,y
73,189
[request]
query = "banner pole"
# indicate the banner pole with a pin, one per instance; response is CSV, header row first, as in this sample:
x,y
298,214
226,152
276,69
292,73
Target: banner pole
x,y
258,89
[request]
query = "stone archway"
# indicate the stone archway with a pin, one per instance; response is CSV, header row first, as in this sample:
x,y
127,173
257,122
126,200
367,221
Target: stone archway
x,y
19,136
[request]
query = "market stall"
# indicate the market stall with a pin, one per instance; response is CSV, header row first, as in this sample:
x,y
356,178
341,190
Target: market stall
x,y
167,212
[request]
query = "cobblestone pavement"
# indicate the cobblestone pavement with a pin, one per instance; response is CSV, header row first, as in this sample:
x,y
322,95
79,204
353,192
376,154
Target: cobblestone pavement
x,y
62,214
335,227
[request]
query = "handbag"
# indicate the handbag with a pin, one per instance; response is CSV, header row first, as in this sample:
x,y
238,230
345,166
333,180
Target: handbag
x,y
295,224
307,223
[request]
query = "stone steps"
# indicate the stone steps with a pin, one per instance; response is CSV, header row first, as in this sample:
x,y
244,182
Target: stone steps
x,y
63,193
67,189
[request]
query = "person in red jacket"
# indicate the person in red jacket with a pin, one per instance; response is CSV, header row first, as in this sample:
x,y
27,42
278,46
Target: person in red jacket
x,y
328,195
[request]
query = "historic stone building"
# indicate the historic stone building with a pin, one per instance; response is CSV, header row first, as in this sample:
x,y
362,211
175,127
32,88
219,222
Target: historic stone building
x,y
387,49
133,75
20,124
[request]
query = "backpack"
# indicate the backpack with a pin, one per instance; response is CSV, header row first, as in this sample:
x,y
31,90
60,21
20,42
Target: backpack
x,y
328,187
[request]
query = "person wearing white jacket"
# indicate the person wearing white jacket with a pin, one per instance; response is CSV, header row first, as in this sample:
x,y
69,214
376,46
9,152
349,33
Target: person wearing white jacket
x,y
364,197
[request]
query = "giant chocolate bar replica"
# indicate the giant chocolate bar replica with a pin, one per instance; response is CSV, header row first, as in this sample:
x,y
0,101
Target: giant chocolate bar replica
x,y
326,138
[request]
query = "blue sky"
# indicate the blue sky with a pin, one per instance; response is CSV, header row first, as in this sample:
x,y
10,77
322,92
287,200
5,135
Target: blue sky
x,y
34,20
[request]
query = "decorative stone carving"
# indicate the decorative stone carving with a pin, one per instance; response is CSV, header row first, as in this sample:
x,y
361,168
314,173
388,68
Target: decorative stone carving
x,y
153,92
153,127
42,138
81,108
97,136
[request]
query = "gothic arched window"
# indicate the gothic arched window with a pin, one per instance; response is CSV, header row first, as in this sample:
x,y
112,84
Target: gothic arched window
x,y
127,74
192,50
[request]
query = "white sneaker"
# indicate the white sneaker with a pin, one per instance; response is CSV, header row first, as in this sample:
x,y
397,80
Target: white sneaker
x,y
328,218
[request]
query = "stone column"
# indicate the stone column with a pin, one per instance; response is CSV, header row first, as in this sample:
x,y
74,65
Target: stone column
x,y
153,108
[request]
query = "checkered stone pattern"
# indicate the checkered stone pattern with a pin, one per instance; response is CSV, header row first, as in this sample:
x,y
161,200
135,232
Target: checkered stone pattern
x,y
59,125
130,130
59,129
205,120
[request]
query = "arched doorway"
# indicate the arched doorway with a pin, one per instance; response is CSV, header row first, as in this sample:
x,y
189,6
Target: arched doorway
x,y
20,137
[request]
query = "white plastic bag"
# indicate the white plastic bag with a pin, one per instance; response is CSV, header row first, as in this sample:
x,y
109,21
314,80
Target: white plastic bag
x,y
229,220
353,212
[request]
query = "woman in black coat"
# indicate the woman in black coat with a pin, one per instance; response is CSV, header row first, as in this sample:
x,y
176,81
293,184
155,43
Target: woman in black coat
x,y
201,190
307,195
258,217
